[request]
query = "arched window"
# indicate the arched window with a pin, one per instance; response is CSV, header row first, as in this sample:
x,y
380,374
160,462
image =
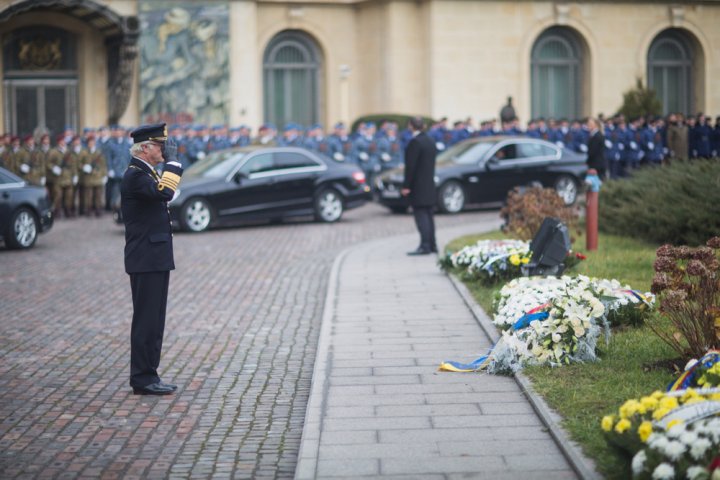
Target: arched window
x,y
557,69
670,64
291,79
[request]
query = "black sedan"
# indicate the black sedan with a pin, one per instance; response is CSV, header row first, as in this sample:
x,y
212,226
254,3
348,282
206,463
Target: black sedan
x,y
259,183
25,211
483,170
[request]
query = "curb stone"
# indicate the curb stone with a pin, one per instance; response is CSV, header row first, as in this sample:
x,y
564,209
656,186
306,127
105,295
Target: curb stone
x,y
583,466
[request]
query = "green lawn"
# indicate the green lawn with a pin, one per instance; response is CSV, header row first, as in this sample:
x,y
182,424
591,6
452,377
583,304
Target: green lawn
x,y
583,393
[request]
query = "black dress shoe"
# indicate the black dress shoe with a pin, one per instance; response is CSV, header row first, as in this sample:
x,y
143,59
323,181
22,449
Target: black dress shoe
x,y
420,251
169,385
158,388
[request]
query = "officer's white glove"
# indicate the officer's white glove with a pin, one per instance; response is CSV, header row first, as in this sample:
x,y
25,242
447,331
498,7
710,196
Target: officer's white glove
x,y
385,157
174,164
200,155
111,173
583,148
633,145
608,144
43,180
651,146
621,146
87,168
560,144
75,180
339,156
104,180
25,168
56,170
363,156
440,146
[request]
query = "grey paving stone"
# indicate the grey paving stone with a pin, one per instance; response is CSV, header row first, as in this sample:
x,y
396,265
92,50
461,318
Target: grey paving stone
x,y
379,450
380,424
348,438
517,420
427,410
342,468
441,465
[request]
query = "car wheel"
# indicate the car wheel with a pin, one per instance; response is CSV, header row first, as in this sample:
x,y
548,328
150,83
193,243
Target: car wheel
x,y
566,187
328,206
452,197
196,215
23,229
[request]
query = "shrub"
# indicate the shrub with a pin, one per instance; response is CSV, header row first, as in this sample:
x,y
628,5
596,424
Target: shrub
x,y
399,118
526,208
687,283
673,204
640,102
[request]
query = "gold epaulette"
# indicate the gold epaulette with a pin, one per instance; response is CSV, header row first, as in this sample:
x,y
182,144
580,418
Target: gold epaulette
x,y
169,180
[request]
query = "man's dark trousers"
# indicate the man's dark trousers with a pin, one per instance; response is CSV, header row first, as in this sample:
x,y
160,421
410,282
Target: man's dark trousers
x,y
426,226
149,295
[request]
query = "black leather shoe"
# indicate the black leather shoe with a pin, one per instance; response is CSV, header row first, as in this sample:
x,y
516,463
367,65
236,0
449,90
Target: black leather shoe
x,y
158,388
420,251
169,385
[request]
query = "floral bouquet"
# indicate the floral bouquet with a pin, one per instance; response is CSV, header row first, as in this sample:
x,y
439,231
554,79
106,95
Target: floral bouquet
x,y
489,260
703,373
689,451
637,419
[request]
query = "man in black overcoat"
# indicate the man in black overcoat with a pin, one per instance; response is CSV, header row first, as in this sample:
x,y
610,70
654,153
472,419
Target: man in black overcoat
x,y
419,184
149,250
596,148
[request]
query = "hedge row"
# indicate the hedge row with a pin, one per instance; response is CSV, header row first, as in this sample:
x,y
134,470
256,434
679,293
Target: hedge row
x,y
677,203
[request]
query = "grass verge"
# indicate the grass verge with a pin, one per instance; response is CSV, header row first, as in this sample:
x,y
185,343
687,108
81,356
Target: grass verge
x,y
630,366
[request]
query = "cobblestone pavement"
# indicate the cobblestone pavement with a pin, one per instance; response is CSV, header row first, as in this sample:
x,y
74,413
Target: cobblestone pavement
x,y
244,313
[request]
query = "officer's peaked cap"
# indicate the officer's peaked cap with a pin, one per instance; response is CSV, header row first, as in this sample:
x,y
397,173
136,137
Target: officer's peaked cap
x,y
157,132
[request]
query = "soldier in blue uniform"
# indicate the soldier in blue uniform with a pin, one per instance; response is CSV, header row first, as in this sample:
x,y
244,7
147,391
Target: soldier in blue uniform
x,y
340,144
652,142
702,136
219,139
580,136
390,151
438,134
364,151
149,251
234,137
532,129
633,152
715,138
291,136
197,149
316,139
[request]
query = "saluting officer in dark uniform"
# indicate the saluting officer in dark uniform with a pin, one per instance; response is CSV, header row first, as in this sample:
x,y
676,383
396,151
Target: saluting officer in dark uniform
x,y
149,250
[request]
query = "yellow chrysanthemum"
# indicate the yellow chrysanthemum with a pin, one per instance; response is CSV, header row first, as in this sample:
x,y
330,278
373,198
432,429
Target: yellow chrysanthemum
x,y
629,408
525,260
669,403
644,430
698,399
657,394
689,393
660,413
515,259
650,403
607,423
623,425
673,423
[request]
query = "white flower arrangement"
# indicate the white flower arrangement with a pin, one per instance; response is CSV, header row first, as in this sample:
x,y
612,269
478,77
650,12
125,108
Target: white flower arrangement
x,y
684,451
565,317
489,260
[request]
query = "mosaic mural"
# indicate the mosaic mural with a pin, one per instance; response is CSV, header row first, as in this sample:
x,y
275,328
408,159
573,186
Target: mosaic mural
x,y
184,67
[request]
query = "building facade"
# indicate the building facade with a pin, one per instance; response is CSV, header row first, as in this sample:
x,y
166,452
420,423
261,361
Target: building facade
x,y
94,62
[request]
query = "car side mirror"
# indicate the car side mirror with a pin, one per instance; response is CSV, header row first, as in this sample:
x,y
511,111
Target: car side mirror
x,y
239,177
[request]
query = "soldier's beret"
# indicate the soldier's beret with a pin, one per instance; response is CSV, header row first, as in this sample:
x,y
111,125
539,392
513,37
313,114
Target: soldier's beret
x,y
27,138
14,139
59,138
156,132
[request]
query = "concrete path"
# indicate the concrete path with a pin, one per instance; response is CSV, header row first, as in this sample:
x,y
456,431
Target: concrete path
x,y
378,406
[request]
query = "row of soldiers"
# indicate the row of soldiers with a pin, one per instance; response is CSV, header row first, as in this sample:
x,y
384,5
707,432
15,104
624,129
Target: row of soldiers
x,y
74,174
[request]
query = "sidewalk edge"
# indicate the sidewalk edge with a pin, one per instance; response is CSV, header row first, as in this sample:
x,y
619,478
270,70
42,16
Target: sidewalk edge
x,y
306,468
582,465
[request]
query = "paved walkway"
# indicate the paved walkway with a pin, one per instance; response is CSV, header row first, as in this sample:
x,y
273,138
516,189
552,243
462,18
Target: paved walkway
x,y
378,406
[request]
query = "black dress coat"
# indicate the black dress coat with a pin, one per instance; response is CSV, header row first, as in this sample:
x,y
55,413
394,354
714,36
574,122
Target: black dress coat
x,y
420,171
148,232
596,153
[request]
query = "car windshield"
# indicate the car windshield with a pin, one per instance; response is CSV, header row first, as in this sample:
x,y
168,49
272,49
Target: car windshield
x,y
215,165
465,153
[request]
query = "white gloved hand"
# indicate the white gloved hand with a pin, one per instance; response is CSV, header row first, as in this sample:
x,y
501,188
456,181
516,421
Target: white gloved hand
x,y
363,156
75,180
583,147
25,168
339,156
439,146
111,173
175,164
104,180
385,157
43,180
200,155
608,144
87,168
56,170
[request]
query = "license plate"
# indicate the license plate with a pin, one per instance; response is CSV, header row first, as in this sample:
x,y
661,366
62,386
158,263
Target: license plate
x,y
390,194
